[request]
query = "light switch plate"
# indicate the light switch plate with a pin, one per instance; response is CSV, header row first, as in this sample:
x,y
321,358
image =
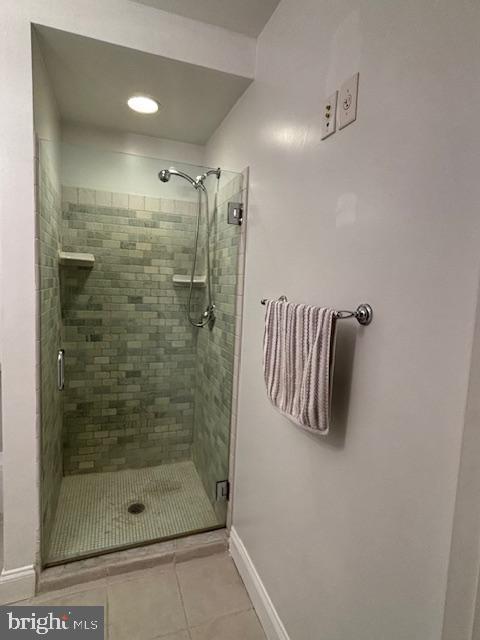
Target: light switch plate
x,y
347,102
329,116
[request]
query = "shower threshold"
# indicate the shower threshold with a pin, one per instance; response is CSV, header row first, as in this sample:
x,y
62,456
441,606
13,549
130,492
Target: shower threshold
x,y
93,516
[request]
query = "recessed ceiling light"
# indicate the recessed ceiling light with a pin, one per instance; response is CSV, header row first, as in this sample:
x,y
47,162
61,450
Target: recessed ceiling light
x,y
143,104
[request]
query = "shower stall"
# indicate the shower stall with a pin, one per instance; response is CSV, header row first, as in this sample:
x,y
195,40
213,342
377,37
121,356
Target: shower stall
x,y
140,298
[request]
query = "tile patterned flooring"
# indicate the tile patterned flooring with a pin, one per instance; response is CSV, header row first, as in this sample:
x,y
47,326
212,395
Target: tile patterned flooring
x,y
200,599
92,513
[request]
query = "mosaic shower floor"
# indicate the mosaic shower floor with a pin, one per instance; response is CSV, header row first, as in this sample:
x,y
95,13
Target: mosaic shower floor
x,y
92,513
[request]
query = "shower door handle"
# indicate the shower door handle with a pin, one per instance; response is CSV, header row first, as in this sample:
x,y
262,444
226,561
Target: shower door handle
x,y
61,369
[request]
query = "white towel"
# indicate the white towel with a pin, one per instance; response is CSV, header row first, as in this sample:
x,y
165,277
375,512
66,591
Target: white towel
x,y
298,358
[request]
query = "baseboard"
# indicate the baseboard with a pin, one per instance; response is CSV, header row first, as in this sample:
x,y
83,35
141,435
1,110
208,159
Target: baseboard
x,y
266,612
17,584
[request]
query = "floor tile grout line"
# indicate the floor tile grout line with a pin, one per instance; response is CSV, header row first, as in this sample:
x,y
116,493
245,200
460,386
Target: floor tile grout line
x,y
179,587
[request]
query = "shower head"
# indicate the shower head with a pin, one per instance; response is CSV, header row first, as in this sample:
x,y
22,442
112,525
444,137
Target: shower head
x,y
166,174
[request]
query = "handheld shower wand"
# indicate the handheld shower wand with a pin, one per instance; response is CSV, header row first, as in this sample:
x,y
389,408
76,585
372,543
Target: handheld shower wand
x,y
164,175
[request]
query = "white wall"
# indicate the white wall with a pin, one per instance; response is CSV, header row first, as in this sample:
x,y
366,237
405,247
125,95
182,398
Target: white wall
x,y
132,143
127,163
351,533
46,117
119,22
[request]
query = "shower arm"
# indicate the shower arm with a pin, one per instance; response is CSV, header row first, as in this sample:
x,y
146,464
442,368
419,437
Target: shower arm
x,y
211,172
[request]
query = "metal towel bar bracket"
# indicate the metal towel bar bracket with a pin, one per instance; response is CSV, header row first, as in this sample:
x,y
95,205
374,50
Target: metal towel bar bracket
x,y
363,314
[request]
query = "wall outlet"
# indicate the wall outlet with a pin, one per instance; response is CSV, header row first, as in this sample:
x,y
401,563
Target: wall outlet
x,y
329,116
347,102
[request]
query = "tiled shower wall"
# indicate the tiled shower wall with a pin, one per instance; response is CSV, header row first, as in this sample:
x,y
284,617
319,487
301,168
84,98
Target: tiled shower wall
x,y
51,405
215,362
130,354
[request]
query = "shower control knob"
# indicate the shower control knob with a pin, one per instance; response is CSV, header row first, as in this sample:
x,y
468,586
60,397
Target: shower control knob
x,y
235,213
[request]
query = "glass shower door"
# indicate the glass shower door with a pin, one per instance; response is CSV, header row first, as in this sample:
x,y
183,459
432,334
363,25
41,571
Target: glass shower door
x,y
147,399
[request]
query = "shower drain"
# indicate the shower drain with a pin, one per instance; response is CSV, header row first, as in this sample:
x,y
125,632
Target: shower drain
x,y
136,508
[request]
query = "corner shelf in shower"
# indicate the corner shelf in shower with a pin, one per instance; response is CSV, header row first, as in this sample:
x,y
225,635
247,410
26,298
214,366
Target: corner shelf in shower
x,y
180,280
70,259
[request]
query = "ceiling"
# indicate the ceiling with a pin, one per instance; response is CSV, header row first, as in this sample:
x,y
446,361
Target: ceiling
x,y
92,81
245,16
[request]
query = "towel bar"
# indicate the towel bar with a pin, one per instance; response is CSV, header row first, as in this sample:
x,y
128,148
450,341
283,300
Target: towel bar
x,y
363,314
